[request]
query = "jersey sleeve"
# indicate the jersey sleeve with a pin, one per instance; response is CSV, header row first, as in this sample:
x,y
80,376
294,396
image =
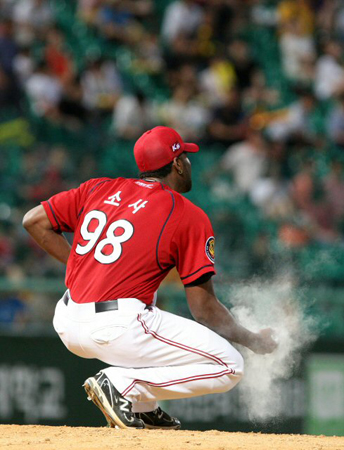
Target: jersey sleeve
x,y
63,209
194,245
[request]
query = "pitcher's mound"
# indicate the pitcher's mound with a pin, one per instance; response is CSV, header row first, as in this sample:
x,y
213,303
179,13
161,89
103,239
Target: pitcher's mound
x,y
37,437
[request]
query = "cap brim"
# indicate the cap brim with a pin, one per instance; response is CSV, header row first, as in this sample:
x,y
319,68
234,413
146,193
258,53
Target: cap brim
x,y
191,148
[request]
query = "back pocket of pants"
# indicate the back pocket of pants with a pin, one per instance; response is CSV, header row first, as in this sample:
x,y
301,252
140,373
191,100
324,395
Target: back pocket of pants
x,y
108,334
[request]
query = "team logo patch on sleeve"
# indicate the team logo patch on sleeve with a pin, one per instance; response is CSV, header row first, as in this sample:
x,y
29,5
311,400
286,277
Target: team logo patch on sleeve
x,y
210,248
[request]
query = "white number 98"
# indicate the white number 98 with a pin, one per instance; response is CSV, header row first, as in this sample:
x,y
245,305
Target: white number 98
x,y
111,239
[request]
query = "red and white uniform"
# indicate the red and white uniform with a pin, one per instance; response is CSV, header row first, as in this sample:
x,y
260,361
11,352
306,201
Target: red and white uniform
x,y
162,229
128,234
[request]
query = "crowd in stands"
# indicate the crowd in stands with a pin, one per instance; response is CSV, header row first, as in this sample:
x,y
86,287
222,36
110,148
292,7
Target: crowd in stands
x,y
258,83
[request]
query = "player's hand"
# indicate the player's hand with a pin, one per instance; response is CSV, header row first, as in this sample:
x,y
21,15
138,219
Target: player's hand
x,y
264,342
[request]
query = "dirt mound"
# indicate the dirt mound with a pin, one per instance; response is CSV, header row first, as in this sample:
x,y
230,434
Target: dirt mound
x,y
36,437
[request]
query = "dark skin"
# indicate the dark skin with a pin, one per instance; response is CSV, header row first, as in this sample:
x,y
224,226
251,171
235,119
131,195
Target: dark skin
x,y
203,303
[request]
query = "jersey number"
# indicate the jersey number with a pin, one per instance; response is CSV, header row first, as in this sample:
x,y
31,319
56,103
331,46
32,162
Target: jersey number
x,y
111,239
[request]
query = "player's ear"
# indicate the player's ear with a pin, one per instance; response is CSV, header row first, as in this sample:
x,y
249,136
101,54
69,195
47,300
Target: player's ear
x,y
178,164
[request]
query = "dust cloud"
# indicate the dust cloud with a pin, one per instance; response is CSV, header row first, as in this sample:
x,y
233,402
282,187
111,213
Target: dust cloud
x,y
271,304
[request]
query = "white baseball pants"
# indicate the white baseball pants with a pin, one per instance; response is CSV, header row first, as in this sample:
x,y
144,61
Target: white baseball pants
x,y
154,355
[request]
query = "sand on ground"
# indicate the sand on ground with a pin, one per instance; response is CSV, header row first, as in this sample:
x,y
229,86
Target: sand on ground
x,y
38,437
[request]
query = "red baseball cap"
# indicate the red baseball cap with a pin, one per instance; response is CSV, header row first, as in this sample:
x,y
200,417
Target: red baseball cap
x,y
158,147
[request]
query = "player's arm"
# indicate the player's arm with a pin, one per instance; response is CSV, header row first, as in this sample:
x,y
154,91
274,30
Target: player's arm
x,y
209,311
37,224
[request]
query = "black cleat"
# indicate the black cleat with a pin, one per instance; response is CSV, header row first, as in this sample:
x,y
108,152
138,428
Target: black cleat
x,y
116,409
159,419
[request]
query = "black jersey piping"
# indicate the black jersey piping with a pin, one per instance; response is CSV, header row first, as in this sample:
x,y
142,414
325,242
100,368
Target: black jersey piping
x,y
80,212
53,212
207,265
100,182
200,280
162,230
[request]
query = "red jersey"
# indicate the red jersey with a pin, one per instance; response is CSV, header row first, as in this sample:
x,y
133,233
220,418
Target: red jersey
x,y
128,234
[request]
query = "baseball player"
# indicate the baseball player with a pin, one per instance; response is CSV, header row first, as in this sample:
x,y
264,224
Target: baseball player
x,y
128,234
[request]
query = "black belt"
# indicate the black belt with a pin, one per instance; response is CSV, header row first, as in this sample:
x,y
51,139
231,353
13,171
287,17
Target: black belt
x,y
109,305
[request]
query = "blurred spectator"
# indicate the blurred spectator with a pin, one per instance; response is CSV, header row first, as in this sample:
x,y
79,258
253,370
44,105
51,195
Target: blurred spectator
x,y
8,47
217,80
298,52
302,184
58,59
293,235
132,116
73,112
23,65
88,10
9,92
117,20
259,97
32,19
148,55
245,161
270,193
322,214
243,63
185,113
264,14
181,23
309,196
329,72
101,85
228,124
295,122
184,75
222,12
299,10
325,17
44,91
